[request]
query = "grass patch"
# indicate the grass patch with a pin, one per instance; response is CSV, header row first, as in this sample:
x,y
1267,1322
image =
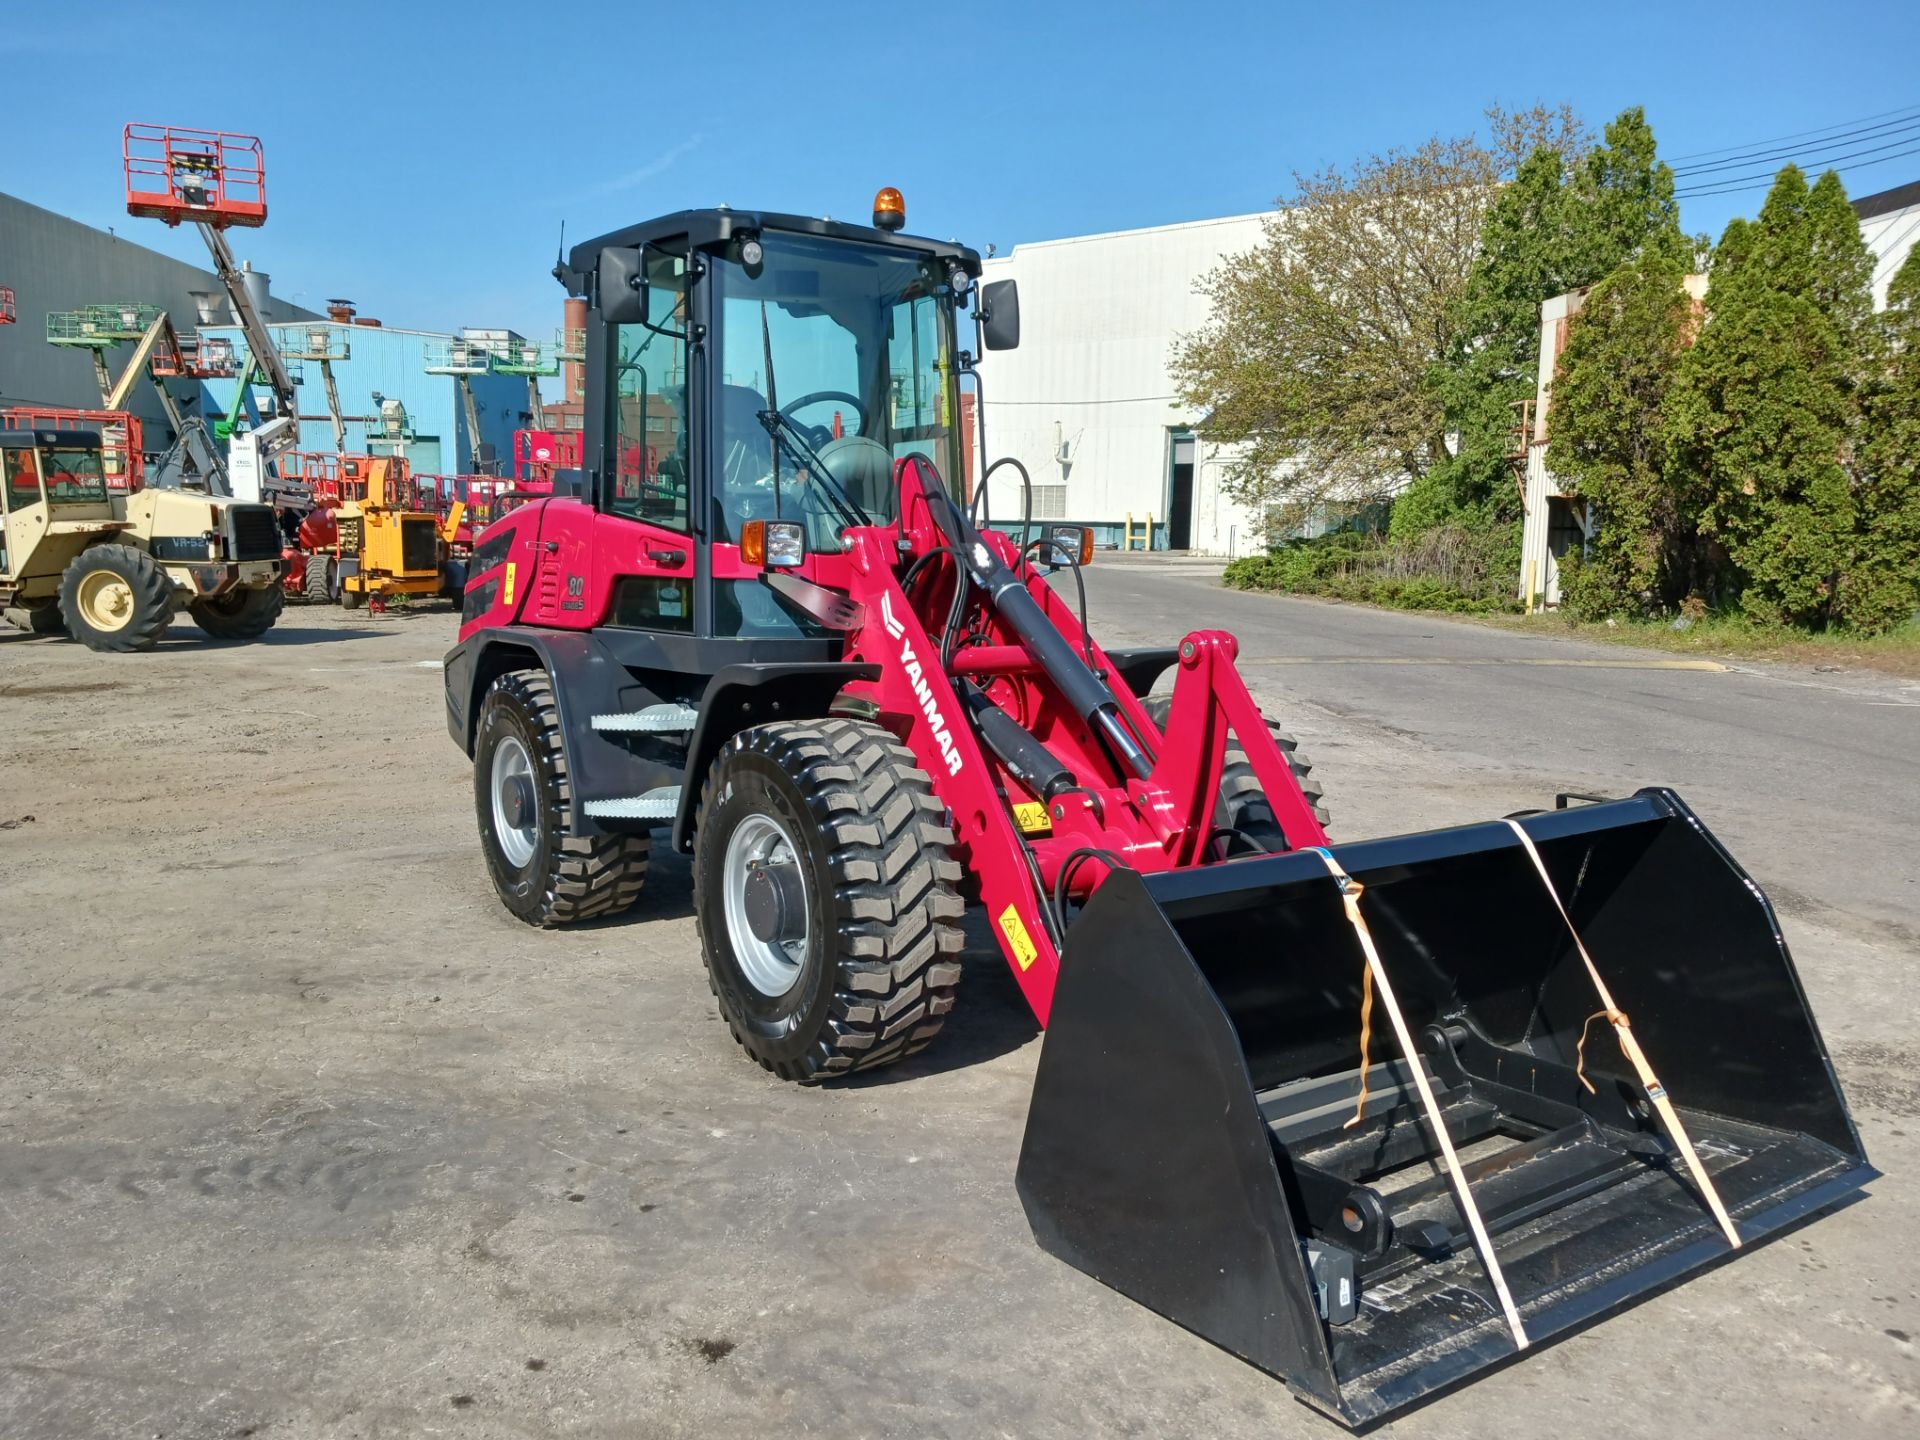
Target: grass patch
x,y
1733,637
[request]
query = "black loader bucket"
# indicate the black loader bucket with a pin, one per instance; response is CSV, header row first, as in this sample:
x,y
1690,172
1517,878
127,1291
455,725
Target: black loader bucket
x,y
1189,1141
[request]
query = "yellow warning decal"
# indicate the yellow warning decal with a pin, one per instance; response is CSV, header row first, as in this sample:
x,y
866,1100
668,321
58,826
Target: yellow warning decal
x,y
506,591
1031,817
1022,943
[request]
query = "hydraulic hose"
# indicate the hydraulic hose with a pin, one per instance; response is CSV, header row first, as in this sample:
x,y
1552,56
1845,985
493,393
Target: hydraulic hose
x,y
1083,690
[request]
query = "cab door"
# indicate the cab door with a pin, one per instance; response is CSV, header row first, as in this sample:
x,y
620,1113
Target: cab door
x,y
23,505
643,548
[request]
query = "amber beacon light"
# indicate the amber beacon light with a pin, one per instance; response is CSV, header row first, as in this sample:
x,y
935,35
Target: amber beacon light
x,y
889,209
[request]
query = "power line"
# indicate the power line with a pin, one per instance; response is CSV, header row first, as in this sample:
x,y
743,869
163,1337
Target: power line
x,y
1797,135
1129,400
1888,259
1892,127
1760,180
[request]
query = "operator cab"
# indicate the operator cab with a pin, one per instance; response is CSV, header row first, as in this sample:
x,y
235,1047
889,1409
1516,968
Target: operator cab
x,y
760,367
43,471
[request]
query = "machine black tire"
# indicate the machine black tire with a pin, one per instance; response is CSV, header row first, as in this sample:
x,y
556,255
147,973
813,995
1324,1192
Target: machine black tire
x,y
320,585
351,599
41,619
149,592
1243,801
239,614
569,877
882,962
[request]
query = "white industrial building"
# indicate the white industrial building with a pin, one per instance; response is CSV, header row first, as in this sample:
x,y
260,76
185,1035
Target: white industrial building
x,y
1890,224
1556,521
1087,402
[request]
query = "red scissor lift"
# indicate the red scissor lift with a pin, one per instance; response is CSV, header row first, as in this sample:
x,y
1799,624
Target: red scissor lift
x,y
6,305
120,437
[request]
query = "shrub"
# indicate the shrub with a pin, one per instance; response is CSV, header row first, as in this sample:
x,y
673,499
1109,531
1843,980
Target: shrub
x,y
1446,568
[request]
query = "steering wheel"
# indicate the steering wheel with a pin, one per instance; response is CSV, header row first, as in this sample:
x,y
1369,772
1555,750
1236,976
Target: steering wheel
x,y
820,434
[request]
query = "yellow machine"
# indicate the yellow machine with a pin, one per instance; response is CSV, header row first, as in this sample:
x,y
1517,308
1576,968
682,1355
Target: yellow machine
x,y
388,546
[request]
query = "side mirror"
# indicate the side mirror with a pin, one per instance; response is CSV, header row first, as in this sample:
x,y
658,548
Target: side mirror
x,y
623,285
1000,315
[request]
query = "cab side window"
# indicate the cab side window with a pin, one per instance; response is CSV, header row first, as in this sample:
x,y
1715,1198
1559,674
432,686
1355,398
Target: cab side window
x,y
22,480
647,458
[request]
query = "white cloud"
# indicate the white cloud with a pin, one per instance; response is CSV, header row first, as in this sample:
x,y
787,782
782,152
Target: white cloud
x,y
647,171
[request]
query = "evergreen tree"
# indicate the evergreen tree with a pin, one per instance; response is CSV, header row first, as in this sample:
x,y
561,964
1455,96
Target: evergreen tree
x,y
1609,440
1768,408
1881,586
1555,228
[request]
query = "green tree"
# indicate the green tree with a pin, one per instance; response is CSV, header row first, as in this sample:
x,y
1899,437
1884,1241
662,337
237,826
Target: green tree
x,y
1881,586
1317,357
1557,227
1768,410
1494,355
1609,440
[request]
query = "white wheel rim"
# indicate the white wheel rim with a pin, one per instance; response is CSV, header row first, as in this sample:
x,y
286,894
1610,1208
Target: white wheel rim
x,y
513,769
771,966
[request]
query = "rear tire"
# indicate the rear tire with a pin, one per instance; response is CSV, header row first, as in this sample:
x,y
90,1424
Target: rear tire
x,y
544,871
352,599
862,958
1243,803
116,598
322,587
239,614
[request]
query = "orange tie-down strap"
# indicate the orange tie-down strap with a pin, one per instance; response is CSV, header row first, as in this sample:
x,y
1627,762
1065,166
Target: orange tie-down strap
x,y
1350,892
1630,1047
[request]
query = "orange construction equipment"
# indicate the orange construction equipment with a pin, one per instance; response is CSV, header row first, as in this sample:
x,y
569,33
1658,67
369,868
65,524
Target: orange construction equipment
x,y
120,438
206,176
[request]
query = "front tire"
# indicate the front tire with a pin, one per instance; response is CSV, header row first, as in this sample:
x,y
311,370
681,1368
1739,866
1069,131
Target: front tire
x,y
544,871
826,897
116,598
239,614
42,618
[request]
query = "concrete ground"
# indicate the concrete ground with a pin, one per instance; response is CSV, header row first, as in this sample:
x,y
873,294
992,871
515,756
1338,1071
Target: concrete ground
x,y
302,1136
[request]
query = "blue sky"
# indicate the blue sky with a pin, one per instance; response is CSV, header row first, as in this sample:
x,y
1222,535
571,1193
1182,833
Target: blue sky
x,y
422,155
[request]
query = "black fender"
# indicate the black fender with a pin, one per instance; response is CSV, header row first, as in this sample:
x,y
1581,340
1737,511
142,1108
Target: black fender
x,y
1142,666
588,680
739,696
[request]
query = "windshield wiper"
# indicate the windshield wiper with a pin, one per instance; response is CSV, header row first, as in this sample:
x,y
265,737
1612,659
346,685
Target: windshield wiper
x,y
786,430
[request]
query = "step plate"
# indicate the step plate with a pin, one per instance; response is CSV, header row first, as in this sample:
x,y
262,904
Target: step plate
x,y
661,804
654,720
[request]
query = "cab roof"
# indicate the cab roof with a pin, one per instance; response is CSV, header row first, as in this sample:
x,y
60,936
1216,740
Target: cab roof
x,y
28,439
718,225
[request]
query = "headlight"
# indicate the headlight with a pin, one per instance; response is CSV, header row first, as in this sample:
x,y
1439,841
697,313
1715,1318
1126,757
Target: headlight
x,y
786,544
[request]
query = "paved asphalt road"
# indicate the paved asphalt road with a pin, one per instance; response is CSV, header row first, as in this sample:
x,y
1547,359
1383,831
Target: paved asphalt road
x,y
1812,779
303,1138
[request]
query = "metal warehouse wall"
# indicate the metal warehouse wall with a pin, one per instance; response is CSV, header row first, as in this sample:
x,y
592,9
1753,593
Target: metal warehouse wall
x,y
393,362
54,263
1099,316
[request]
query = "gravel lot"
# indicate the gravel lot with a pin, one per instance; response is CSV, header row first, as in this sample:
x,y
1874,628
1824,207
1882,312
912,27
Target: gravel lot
x,y
302,1136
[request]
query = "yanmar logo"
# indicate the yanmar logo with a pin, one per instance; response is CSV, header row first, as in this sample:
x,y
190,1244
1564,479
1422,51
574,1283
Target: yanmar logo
x,y
922,691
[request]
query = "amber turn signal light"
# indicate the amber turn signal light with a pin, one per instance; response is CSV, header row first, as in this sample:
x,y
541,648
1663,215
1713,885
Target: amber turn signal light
x,y
774,544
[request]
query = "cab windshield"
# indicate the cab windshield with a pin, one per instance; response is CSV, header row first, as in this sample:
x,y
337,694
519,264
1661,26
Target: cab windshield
x,y
73,475
851,346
